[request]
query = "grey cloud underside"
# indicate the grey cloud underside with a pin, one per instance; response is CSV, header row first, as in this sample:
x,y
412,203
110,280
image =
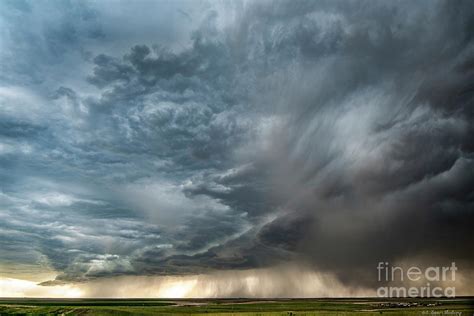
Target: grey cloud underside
x,y
337,134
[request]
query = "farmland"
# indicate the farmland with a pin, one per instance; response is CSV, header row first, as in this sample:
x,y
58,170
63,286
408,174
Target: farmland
x,y
238,307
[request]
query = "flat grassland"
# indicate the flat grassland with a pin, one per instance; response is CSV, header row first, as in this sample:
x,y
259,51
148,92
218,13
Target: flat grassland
x,y
249,307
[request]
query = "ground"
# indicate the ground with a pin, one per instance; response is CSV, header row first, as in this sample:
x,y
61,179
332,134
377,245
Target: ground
x,y
239,307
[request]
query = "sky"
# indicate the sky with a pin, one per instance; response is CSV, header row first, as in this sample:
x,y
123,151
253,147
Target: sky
x,y
233,148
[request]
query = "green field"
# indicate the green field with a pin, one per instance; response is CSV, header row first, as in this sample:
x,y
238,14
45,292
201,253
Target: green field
x,y
228,307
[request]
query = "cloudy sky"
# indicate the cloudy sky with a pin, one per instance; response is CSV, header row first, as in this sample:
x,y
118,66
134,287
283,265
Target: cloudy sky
x,y
144,142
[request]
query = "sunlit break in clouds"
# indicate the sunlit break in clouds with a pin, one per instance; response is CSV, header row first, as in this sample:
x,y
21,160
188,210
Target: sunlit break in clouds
x,y
234,148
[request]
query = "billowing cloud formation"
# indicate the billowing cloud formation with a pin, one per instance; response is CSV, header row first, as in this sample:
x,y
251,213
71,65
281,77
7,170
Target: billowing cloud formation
x,y
165,138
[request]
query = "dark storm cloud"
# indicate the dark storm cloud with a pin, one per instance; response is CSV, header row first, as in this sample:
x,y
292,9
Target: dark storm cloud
x,y
335,134
383,139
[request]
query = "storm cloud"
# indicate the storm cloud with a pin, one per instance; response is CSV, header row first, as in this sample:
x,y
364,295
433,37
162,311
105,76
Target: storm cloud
x,y
194,137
